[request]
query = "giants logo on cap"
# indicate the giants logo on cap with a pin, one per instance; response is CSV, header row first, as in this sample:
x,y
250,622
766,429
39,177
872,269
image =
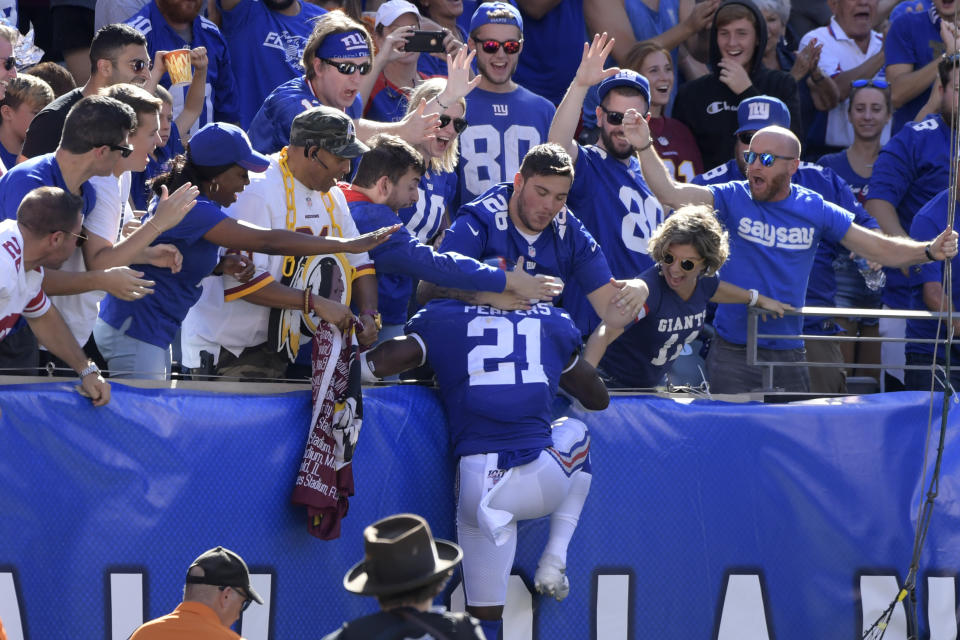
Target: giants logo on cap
x,y
351,132
758,111
353,40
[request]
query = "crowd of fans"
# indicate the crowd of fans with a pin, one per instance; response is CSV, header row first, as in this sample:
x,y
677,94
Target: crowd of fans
x,y
415,119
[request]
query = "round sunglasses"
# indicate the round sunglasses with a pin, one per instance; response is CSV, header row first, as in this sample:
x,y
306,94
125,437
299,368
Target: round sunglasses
x,y
687,264
510,47
459,124
349,68
766,159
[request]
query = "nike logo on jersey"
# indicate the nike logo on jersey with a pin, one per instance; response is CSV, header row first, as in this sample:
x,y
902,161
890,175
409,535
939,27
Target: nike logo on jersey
x,y
501,110
472,230
768,235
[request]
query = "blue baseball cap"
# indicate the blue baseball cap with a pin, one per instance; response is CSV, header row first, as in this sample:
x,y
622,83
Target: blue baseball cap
x,y
758,112
220,143
482,15
625,78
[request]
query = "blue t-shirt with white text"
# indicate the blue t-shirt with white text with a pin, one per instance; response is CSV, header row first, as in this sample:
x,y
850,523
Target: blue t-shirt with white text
x,y
40,171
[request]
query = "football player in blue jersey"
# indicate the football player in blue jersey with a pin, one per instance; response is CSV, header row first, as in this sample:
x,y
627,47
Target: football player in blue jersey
x,y
506,119
513,463
911,169
754,114
387,181
775,228
177,24
689,249
608,193
337,73
528,219
266,40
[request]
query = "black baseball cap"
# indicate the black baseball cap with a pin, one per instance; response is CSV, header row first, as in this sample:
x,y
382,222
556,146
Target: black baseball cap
x,y
223,568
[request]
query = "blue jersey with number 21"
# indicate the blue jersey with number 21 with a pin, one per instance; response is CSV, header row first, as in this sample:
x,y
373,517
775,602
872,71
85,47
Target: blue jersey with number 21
x,y
498,372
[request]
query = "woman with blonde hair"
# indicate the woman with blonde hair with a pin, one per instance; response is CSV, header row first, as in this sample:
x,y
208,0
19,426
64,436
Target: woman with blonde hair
x,y
689,248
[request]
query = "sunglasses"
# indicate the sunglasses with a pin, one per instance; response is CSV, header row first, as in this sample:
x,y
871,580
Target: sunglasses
x,y
613,117
80,238
124,151
10,63
349,68
246,597
876,84
139,64
510,47
687,264
459,124
766,159
745,137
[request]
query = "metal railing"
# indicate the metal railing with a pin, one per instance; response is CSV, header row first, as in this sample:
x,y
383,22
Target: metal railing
x,y
753,335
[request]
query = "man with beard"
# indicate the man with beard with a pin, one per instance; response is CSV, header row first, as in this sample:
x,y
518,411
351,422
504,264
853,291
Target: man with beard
x,y
266,40
506,119
177,24
608,193
118,54
753,115
775,227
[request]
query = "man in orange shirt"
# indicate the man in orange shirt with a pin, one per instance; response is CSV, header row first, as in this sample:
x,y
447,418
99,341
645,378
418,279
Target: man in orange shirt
x,y
217,591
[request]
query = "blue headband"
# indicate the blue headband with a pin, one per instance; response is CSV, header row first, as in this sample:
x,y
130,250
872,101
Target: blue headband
x,y
350,44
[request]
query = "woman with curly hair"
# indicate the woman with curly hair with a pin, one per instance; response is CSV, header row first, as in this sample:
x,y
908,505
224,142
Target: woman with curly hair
x,y
689,248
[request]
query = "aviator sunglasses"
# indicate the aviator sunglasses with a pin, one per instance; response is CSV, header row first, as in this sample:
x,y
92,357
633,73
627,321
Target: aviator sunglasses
x,y
687,264
348,68
766,159
510,47
459,124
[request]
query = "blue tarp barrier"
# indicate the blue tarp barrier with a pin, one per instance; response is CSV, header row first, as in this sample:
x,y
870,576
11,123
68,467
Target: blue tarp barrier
x,y
808,497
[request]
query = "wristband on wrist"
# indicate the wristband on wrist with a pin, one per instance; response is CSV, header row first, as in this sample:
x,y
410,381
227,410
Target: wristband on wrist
x,y
306,301
754,297
154,225
646,146
926,250
442,106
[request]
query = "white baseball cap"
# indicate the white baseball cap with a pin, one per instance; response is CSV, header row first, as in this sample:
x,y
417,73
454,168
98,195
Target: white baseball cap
x,y
389,11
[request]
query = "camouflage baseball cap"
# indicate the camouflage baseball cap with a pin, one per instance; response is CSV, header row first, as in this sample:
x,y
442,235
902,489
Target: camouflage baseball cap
x,y
329,129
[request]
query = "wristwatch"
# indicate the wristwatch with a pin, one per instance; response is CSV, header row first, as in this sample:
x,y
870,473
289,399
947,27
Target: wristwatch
x,y
376,317
91,368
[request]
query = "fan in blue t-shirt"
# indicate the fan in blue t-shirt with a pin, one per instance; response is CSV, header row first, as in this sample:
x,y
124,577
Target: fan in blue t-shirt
x,y
689,249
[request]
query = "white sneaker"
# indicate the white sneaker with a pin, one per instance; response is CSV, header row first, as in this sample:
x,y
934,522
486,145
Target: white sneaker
x,y
551,578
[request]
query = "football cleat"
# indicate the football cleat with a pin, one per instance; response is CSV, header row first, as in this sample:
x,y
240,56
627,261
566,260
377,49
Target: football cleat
x,y
551,579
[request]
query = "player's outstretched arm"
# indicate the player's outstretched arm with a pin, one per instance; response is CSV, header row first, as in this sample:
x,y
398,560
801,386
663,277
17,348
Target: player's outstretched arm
x,y
583,383
392,357
53,333
244,236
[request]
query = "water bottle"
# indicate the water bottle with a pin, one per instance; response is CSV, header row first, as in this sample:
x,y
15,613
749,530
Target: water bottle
x,y
875,280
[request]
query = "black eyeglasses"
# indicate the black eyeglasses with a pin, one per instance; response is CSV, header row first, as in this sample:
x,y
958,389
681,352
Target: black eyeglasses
x,y
246,597
510,47
745,137
124,151
687,264
316,158
349,68
613,117
10,63
459,124
766,159
876,84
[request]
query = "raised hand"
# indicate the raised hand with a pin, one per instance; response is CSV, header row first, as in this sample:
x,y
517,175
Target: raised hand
x,y
734,76
173,207
126,283
368,241
393,44
459,83
595,53
198,58
702,16
417,127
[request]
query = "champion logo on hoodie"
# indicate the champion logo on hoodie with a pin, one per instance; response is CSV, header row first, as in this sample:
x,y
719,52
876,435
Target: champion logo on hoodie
x,y
720,105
